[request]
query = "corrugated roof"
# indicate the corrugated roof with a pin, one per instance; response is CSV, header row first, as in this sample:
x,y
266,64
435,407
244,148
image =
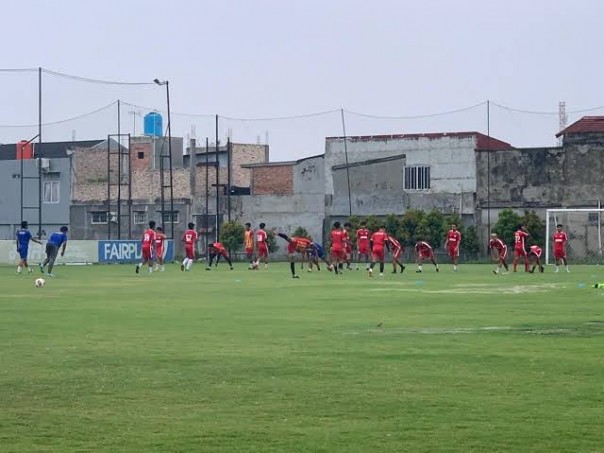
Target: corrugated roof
x,y
50,150
483,141
585,124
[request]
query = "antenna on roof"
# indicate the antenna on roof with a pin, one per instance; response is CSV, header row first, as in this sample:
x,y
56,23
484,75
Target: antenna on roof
x,y
562,119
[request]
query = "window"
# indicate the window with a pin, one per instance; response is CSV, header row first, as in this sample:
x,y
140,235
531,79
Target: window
x,y
141,155
98,217
50,192
417,178
140,217
171,217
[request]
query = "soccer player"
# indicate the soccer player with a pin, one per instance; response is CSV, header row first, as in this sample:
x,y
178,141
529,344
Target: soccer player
x,y
559,239
396,250
378,242
190,240
147,245
295,244
423,250
500,251
53,244
519,247
534,256
216,251
248,242
262,245
23,238
316,253
363,246
160,238
337,238
452,244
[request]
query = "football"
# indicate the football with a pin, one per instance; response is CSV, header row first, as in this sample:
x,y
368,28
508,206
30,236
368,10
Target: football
x,y
255,265
39,282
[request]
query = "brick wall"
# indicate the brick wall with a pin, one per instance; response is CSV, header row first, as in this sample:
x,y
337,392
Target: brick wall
x,y
246,154
273,180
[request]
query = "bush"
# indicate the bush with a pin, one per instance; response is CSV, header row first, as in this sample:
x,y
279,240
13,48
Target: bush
x,y
301,232
409,225
271,241
506,225
469,242
535,226
232,235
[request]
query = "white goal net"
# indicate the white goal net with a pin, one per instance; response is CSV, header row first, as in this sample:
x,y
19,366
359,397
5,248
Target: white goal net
x,y
584,230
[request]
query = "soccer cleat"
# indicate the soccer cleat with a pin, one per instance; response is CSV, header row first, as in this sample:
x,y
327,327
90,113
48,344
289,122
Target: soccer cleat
x,y
231,267
182,267
30,270
381,274
137,270
568,271
370,271
403,269
556,271
596,285
541,269
41,268
208,268
437,270
309,270
393,272
51,275
495,272
295,276
418,271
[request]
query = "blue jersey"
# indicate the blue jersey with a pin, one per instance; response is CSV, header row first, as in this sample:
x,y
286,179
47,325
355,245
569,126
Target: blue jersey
x,y
23,238
57,239
319,250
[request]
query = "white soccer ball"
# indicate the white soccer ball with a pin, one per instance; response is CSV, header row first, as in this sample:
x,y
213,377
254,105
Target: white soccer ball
x,y
39,282
255,265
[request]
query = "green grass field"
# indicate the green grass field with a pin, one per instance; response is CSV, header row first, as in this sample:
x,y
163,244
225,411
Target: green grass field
x,y
101,359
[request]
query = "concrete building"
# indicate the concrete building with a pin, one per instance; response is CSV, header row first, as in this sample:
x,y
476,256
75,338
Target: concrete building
x,y
55,183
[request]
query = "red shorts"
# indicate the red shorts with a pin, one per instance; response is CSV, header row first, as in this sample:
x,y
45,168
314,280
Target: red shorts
x,y
454,252
147,255
222,252
249,252
262,251
503,253
519,253
364,250
159,252
338,254
428,255
291,248
396,253
190,252
559,254
378,254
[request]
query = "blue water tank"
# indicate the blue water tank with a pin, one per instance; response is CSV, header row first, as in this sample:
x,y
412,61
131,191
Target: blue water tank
x,y
153,124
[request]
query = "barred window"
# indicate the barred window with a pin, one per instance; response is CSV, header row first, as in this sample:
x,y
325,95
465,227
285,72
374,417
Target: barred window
x,y
417,178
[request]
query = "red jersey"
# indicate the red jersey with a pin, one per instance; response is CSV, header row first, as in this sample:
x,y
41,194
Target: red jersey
x,y
560,241
379,238
453,239
394,243
218,247
423,248
362,238
301,243
148,238
536,250
261,239
498,245
519,237
190,237
159,241
338,239
347,242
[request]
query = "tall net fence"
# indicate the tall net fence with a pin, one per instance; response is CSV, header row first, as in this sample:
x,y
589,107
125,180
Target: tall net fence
x,y
584,229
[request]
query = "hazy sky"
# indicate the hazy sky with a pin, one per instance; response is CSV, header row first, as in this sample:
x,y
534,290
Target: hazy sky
x,y
273,58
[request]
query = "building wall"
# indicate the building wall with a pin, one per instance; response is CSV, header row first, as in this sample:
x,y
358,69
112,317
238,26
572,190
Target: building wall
x,y
53,214
246,154
452,159
273,180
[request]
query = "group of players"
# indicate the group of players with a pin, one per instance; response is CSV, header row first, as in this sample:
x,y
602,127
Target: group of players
x,y
370,249
532,257
56,243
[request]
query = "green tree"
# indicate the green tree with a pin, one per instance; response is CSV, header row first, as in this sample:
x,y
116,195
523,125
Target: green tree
x,y
301,233
393,224
469,242
432,228
506,225
231,236
355,221
535,226
373,223
271,241
409,224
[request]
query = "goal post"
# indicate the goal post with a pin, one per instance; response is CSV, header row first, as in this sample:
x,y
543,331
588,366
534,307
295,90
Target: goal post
x,y
584,229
